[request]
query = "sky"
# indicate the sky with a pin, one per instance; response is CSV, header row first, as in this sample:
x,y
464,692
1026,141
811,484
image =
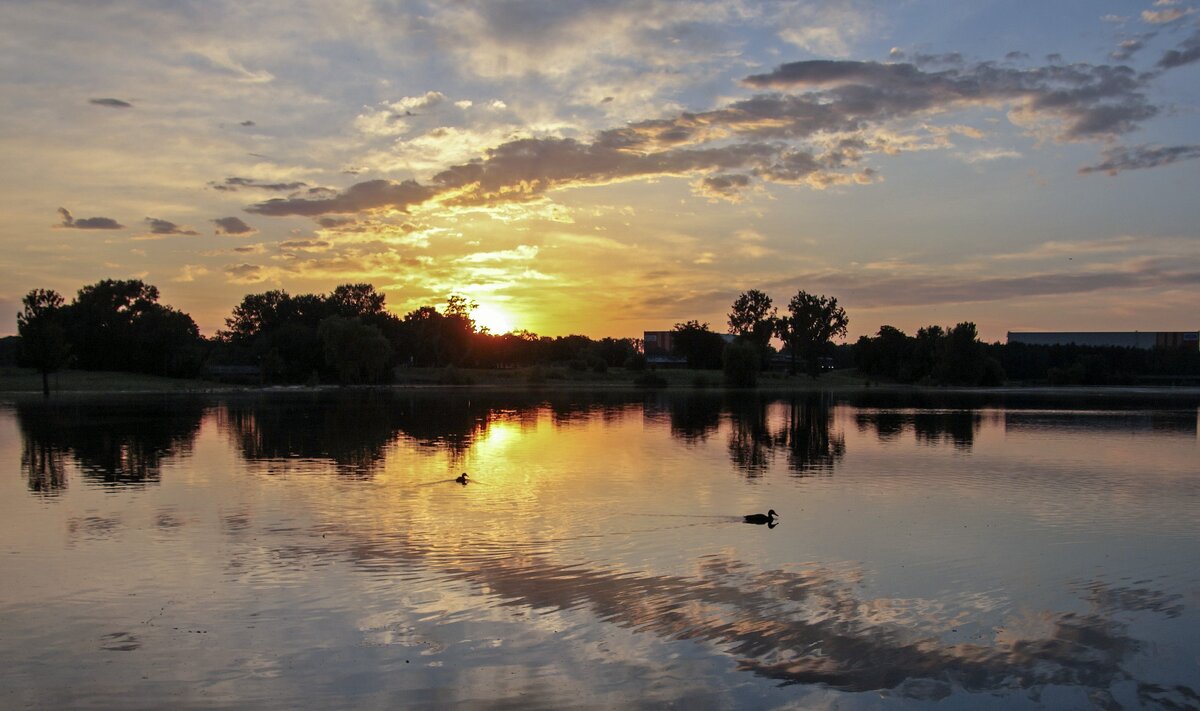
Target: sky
x,y
613,166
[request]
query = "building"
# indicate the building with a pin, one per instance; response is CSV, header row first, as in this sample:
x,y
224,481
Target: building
x,y
1126,339
657,343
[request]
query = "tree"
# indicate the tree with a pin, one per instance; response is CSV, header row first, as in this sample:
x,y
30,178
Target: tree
x,y
357,351
810,325
100,322
702,347
740,361
350,300
752,317
43,338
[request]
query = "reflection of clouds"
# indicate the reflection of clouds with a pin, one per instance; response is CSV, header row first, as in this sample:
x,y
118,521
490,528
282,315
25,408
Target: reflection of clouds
x,y
810,625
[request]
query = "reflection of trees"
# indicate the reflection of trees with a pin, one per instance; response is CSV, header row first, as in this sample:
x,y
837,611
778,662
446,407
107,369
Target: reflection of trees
x,y
957,427
114,443
354,428
750,440
694,417
805,434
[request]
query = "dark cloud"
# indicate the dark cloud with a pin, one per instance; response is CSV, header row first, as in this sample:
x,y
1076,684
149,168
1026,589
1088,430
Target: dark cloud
x,y
371,195
727,186
1094,101
247,123
1016,56
111,103
233,226
244,272
528,167
247,250
1187,52
304,244
163,227
332,222
782,136
234,183
88,223
1123,158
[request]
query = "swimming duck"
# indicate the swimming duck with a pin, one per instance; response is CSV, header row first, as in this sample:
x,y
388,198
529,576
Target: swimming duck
x,y
462,478
768,518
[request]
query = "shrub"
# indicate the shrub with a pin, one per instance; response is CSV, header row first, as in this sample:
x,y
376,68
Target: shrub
x,y
453,376
740,360
650,379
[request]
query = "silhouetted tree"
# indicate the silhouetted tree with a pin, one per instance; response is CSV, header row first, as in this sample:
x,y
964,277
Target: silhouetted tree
x,y
740,360
357,351
810,325
43,338
702,348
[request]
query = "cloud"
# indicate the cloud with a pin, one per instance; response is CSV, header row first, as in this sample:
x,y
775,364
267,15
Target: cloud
x,y
244,273
1127,48
247,123
1094,101
111,103
1123,158
1163,17
523,252
88,223
189,272
163,227
723,186
1188,52
232,185
817,125
361,197
304,244
233,226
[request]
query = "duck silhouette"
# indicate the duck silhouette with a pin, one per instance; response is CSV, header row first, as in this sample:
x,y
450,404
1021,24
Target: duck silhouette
x,y
759,519
462,478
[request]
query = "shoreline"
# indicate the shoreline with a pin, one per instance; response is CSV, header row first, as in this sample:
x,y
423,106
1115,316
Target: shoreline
x,y
27,385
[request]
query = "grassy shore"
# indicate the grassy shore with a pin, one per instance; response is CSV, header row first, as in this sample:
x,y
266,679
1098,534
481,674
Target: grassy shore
x,y
27,382
24,380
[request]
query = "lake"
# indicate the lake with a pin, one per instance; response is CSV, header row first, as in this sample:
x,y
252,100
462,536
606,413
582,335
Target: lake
x,y
312,550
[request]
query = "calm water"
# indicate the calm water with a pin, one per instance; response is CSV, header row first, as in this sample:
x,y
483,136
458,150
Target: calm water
x,y
304,550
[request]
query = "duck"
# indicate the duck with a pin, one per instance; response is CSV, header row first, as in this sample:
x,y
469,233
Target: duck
x,y
462,478
767,518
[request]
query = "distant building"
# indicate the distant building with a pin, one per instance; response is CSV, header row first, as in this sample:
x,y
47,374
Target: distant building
x,y
1126,339
657,343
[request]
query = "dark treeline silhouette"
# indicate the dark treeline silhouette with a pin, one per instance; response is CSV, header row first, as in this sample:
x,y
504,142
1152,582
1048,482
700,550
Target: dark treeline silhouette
x,y
1098,365
349,336
956,356
953,356
110,325
346,336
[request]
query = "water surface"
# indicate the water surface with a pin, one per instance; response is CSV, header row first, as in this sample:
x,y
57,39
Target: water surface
x,y
312,550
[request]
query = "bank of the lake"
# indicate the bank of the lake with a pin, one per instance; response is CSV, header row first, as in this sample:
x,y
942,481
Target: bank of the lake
x,y
22,382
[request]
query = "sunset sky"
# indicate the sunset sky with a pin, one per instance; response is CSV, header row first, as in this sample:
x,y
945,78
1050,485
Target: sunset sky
x,y
613,166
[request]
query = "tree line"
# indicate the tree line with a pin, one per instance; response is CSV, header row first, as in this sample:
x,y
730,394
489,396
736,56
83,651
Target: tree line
x,y
349,336
346,336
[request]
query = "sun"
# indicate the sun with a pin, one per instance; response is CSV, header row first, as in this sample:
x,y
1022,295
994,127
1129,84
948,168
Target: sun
x,y
495,319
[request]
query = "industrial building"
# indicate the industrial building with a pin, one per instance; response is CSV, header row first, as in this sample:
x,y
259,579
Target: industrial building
x,y
1127,339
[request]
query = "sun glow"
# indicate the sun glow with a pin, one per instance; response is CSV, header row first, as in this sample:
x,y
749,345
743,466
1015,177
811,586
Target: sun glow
x,y
495,319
